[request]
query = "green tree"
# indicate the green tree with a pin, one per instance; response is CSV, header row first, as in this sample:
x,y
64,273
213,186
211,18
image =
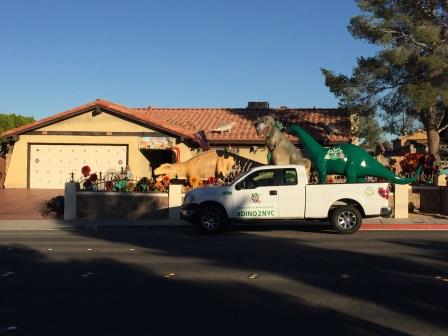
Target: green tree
x,y
10,121
408,76
370,132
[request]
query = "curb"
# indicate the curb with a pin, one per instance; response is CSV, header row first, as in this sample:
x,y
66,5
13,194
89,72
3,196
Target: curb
x,y
404,227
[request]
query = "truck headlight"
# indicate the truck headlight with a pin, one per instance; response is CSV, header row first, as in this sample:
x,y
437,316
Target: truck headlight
x,y
188,199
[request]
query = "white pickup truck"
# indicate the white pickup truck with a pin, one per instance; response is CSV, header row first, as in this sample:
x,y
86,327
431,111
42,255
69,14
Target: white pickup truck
x,y
283,192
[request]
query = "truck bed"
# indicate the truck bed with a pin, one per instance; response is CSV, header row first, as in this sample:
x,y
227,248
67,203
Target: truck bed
x,y
320,197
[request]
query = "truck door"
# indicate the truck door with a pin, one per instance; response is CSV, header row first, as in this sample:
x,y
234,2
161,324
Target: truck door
x,y
257,195
291,195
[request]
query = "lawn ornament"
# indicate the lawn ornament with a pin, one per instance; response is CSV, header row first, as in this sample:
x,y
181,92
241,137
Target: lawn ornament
x,y
345,159
224,127
56,205
202,166
281,150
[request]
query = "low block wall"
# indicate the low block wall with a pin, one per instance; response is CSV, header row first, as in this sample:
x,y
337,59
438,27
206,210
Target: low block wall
x,y
444,201
429,199
121,205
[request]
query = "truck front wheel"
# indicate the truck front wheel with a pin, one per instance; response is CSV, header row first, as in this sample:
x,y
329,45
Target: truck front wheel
x,y
211,219
346,219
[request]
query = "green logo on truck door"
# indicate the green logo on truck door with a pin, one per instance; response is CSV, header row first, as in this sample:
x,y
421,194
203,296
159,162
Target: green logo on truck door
x,y
255,198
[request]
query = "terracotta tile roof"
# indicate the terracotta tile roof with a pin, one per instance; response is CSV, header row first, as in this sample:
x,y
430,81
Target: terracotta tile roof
x,y
186,121
316,121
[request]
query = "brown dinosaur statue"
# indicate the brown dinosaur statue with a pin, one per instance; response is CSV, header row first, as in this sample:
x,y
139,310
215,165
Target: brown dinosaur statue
x,y
281,150
202,166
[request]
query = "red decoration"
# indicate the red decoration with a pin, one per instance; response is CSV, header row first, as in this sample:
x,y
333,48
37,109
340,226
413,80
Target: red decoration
x,y
159,186
412,160
85,171
383,192
109,185
212,180
166,181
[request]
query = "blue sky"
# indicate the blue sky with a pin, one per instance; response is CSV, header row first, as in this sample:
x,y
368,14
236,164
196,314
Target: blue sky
x,y
58,54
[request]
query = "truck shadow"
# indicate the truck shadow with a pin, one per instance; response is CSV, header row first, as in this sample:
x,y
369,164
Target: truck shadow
x,y
299,226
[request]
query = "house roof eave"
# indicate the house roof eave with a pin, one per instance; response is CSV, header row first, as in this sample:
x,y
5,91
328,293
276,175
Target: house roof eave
x,y
104,105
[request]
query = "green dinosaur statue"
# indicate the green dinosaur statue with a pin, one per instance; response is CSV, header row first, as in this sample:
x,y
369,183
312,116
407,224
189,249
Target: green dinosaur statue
x,y
345,159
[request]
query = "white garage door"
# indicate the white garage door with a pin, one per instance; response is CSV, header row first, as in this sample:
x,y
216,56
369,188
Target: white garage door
x,y
51,165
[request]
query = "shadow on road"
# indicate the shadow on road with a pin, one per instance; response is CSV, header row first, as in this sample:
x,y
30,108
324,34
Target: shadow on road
x,y
118,298
106,297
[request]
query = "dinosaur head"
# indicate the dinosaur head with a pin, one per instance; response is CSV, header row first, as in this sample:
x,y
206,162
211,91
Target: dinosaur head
x,y
165,169
265,125
227,165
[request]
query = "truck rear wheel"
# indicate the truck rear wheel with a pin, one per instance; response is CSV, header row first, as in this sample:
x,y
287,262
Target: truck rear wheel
x,y
211,219
346,219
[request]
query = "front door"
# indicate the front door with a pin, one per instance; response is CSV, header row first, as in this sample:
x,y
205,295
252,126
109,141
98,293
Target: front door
x,y
256,196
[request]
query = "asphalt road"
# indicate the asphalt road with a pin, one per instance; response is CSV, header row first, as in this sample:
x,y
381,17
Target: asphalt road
x,y
167,281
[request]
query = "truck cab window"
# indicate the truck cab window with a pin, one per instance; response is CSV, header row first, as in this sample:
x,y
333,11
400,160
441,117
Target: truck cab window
x,y
264,178
290,177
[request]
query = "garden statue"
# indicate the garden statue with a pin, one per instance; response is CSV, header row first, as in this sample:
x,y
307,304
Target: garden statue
x,y
281,150
203,166
345,159
224,127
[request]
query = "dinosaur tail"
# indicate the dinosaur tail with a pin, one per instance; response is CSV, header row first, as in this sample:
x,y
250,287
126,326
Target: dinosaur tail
x,y
401,180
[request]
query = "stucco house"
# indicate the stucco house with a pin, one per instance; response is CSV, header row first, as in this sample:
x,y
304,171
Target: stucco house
x,y
417,142
107,136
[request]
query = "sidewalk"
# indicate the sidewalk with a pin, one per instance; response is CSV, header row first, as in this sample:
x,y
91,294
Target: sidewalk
x,y
60,224
414,222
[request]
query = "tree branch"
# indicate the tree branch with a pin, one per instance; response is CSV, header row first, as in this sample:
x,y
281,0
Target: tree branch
x,y
443,128
407,36
381,89
442,121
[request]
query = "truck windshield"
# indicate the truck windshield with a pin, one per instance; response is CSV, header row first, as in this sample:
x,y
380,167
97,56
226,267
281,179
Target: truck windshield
x,y
233,179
